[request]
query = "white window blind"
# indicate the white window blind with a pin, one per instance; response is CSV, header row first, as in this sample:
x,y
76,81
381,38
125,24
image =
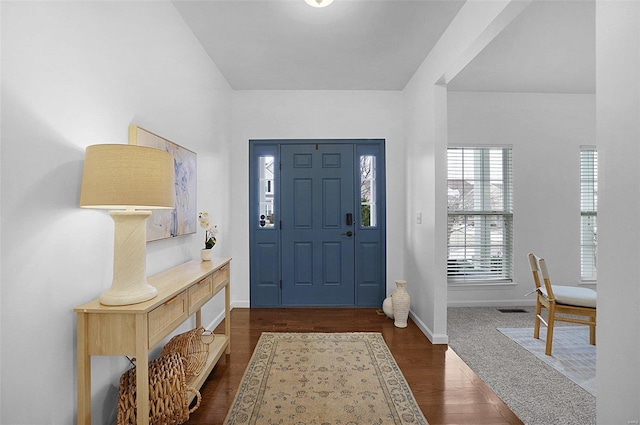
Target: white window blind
x,y
588,213
480,215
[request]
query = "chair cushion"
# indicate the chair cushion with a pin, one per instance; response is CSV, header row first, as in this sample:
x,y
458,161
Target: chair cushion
x,y
573,295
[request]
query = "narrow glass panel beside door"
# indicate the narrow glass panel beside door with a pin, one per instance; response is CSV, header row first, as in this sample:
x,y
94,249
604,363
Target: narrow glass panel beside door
x,y
370,240
267,190
368,211
264,238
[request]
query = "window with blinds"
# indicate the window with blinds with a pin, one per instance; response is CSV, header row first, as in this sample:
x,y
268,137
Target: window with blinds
x,y
588,213
480,215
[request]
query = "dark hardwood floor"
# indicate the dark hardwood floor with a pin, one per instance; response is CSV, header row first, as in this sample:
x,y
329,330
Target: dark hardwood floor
x,y
447,391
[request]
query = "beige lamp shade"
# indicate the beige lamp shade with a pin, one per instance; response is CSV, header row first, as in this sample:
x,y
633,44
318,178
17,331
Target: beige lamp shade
x,y
127,177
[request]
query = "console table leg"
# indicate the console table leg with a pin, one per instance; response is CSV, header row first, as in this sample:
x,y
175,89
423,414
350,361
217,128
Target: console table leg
x,y
142,370
227,317
84,372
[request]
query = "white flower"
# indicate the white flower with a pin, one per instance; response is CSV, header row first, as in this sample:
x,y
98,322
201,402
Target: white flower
x,y
204,220
210,230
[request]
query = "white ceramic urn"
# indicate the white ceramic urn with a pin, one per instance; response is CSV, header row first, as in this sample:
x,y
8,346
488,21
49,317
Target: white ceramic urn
x,y
400,300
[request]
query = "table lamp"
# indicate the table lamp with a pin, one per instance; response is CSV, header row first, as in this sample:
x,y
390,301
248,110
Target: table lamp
x,y
127,179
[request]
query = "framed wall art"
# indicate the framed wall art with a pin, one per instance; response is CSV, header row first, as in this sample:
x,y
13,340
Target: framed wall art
x,y
182,220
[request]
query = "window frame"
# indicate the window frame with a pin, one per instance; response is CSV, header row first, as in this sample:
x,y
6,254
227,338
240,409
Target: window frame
x,y
588,213
368,206
481,209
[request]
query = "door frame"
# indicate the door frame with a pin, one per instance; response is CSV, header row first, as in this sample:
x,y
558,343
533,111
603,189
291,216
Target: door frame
x,y
265,286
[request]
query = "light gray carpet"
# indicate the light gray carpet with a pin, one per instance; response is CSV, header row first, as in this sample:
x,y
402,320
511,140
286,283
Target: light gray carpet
x,y
571,354
537,393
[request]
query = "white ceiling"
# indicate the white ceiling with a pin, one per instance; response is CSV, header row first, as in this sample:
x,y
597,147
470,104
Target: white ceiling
x,y
548,48
379,44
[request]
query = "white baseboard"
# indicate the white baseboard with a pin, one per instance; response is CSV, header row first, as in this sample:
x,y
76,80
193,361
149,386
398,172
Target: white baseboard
x,y
220,317
434,338
216,321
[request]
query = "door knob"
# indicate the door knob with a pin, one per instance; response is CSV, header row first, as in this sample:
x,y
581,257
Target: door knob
x,y
349,233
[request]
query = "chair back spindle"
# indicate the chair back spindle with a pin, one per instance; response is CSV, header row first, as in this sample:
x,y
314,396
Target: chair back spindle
x,y
546,279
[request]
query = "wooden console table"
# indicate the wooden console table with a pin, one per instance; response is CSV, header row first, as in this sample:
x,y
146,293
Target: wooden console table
x,y
137,328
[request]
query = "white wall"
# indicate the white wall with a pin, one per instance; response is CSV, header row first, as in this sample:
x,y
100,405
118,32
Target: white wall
x,y
546,132
75,74
618,138
315,115
425,103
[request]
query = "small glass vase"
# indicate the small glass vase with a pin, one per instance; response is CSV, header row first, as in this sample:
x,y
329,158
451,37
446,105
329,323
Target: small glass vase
x,y
206,254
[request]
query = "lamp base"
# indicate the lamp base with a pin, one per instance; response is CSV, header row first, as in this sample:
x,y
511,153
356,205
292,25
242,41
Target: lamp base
x,y
129,284
115,296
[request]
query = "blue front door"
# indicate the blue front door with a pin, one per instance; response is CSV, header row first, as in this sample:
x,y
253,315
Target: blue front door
x,y
317,224
318,209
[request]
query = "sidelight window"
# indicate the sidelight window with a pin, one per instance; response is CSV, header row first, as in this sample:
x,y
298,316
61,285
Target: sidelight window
x,y
266,191
368,197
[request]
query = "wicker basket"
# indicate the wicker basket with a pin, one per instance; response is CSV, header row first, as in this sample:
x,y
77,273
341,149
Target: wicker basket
x,y
193,346
168,393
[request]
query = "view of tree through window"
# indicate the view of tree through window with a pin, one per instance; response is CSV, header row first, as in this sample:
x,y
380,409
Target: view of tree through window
x,y
368,191
480,214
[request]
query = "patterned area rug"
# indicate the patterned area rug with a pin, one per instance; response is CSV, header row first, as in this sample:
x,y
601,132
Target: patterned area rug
x,y
572,355
323,379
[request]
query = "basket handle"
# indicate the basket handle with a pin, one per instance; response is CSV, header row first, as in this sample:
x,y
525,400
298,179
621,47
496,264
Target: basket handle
x,y
207,336
198,397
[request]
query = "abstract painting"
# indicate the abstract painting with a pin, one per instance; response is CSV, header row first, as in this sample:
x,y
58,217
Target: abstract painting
x,y
182,219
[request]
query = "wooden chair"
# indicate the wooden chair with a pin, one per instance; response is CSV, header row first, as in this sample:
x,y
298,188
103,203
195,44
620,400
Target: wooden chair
x,y
561,300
